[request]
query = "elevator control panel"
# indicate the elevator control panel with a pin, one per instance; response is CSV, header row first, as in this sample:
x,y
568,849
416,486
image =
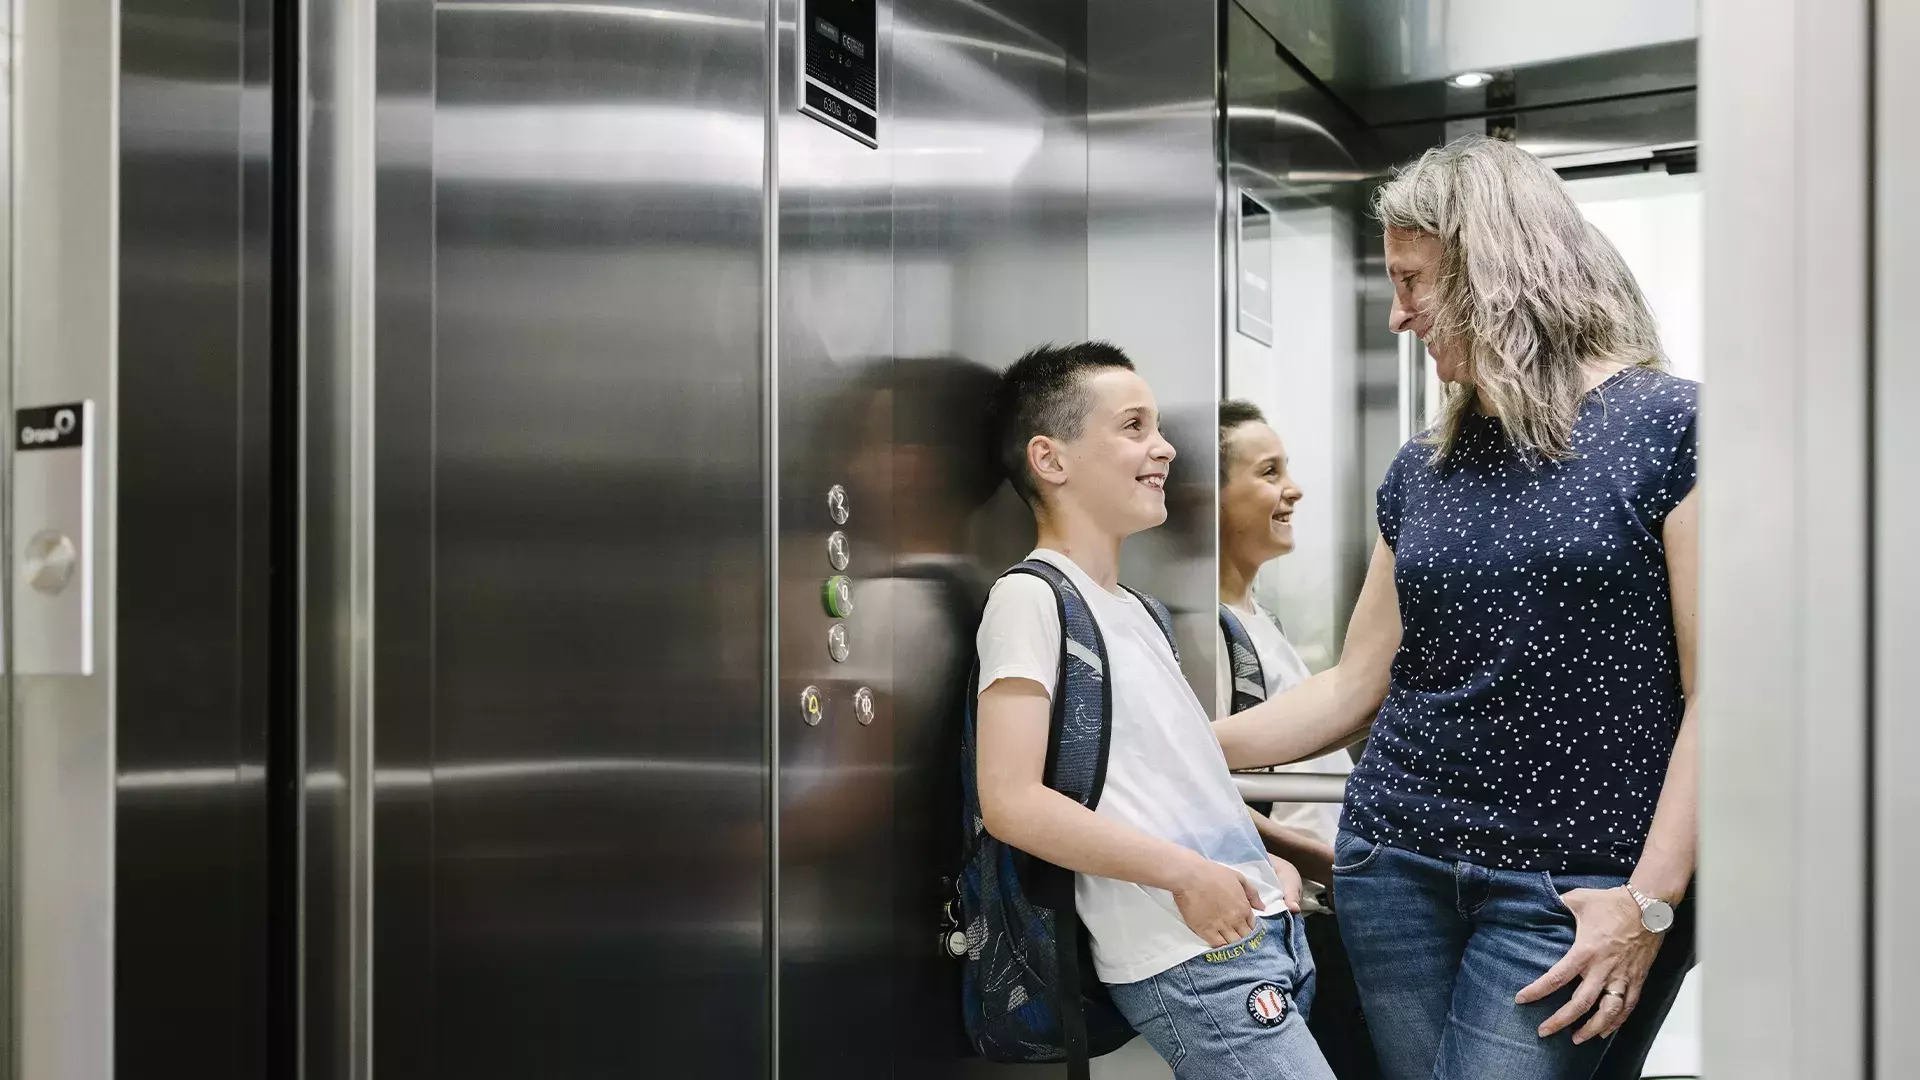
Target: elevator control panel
x,y
839,66
55,448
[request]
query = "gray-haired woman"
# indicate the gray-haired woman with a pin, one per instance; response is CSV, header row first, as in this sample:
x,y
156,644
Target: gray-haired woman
x,y
1523,821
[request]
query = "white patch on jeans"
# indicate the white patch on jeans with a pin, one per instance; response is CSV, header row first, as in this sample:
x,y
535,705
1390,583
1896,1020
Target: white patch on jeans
x,y
1267,1005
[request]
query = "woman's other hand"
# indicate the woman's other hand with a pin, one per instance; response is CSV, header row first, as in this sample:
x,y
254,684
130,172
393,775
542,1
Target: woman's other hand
x,y
1610,957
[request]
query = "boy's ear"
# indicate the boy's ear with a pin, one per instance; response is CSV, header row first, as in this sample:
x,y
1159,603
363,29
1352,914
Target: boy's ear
x,y
1044,461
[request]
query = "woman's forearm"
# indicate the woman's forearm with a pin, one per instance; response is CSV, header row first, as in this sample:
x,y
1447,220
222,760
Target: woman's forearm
x,y
1667,863
1325,710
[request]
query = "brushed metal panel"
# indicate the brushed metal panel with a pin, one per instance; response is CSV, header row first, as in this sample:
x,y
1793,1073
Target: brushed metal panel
x,y
989,259
833,289
1389,60
403,1029
1154,238
63,160
599,832
191,679
335,251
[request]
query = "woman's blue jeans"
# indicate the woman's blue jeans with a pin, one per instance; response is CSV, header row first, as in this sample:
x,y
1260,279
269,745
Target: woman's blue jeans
x,y
1440,948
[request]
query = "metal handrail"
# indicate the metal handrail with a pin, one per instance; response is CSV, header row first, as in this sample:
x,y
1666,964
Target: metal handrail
x,y
1291,787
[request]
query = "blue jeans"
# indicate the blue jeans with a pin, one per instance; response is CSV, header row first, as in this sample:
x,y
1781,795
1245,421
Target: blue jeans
x,y
1236,1013
1439,949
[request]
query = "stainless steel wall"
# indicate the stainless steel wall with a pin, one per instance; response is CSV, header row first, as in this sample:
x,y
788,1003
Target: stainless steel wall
x,y
62,154
599,827
190,845
1154,220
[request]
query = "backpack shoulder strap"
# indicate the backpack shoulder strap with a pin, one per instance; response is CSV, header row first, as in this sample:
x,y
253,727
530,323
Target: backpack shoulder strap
x,y
1161,616
1249,679
1082,728
1077,744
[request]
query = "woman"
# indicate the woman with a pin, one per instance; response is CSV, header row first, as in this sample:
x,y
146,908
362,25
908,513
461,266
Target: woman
x,y
1523,819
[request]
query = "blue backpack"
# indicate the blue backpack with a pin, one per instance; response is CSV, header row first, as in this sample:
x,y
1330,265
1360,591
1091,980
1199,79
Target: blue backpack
x,y
1025,993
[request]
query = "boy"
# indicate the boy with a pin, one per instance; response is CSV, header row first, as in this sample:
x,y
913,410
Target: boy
x,y
1257,501
1191,931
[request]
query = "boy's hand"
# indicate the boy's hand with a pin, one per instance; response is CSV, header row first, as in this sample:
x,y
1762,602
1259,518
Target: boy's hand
x,y
1216,902
1289,882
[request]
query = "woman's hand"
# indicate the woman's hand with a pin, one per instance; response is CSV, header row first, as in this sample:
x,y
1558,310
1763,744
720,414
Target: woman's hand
x,y
1610,956
1289,882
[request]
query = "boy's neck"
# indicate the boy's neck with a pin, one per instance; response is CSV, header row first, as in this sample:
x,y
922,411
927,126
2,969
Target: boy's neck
x,y
1236,581
1096,553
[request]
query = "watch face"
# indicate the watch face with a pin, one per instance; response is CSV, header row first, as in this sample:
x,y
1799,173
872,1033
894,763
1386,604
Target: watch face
x,y
1657,916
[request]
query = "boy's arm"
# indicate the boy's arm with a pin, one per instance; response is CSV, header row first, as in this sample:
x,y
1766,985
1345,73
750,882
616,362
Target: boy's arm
x,y
1309,854
1332,708
1020,810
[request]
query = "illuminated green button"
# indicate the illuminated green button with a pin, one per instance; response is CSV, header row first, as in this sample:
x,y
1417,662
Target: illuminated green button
x,y
837,594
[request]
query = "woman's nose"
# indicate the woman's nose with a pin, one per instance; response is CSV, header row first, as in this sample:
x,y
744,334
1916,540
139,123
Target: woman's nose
x,y
1400,320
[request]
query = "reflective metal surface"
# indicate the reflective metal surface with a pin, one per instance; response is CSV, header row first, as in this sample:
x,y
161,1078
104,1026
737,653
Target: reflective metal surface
x,y
339,558
1291,787
1154,261
989,260
403,512
1390,59
61,161
596,729
189,671
834,317
1293,147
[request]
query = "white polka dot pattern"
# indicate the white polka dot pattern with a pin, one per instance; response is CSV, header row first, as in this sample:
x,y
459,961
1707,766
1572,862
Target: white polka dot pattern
x,y
1536,693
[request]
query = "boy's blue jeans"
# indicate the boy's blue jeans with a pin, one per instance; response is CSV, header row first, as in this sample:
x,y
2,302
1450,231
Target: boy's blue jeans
x,y
1439,949
1235,1013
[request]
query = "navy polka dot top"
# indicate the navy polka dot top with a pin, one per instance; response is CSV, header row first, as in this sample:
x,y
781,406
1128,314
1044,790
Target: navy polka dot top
x,y
1536,694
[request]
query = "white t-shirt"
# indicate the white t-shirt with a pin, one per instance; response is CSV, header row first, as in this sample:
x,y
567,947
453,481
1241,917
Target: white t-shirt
x,y
1166,775
1284,670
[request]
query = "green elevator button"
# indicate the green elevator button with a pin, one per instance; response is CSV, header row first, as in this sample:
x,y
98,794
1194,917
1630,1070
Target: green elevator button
x,y
837,594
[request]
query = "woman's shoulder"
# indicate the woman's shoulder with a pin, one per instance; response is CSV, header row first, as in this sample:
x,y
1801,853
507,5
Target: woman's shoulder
x,y
1648,395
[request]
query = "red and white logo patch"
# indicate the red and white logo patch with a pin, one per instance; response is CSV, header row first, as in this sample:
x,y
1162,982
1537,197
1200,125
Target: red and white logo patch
x,y
1267,1005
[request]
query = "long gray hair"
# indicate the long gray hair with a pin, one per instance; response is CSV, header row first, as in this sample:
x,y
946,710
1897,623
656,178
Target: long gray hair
x,y
1534,293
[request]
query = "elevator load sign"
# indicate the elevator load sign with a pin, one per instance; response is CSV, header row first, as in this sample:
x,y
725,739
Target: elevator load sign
x,y
840,66
50,427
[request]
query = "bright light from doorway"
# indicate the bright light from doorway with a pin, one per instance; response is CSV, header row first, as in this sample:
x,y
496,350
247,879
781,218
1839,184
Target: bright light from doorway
x,y
1468,80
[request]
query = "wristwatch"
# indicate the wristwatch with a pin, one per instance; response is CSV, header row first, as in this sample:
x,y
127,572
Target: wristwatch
x,y
1655,915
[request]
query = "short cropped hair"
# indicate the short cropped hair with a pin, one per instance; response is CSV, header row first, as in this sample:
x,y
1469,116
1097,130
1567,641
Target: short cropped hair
x,y
1233,414
1044,393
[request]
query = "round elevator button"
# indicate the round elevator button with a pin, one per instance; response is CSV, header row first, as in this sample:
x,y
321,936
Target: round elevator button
x,y
863,706
812,709
837,594
837,504
837,555
837,642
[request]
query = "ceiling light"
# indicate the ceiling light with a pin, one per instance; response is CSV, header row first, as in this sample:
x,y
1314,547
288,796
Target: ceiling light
x,y
1468,80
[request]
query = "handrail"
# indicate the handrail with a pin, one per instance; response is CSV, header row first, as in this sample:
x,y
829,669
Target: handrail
x,y
1291,787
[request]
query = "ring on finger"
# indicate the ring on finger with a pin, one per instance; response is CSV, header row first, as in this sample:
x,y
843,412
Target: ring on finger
x,y
1610,992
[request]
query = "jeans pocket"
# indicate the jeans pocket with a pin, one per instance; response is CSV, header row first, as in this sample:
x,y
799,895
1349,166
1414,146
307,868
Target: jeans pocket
x,y
1352,853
